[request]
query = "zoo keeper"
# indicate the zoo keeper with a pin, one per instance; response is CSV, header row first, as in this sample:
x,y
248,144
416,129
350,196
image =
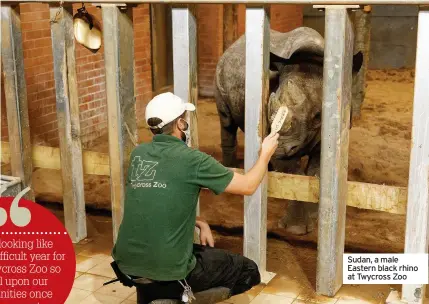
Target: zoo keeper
x,y
155,239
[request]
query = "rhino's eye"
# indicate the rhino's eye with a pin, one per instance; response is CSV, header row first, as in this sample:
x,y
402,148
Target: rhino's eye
x,y
317,120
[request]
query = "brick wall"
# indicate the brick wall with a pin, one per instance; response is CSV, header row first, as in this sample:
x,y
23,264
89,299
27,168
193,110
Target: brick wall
x,y
38,64
210,45
91,84
142,55
39,73
285,17
210,35
90,67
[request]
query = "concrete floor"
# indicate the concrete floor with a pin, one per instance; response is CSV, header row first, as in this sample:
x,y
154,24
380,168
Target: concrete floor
x,y
93,269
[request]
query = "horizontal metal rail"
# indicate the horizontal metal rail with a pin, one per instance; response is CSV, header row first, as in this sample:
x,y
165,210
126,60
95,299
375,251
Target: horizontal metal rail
x,y
311,2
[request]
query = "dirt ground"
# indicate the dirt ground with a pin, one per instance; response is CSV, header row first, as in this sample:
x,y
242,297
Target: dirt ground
x,y
379,153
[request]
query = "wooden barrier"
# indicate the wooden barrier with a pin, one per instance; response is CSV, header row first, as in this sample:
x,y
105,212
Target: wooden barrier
x,y
280,185
417,230
336,106
15,90
67,105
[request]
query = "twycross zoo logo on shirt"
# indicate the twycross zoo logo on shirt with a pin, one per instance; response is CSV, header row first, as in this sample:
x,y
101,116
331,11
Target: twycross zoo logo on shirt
x,y
143,174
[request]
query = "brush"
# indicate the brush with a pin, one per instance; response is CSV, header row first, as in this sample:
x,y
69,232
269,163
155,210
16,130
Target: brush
x,y
279,119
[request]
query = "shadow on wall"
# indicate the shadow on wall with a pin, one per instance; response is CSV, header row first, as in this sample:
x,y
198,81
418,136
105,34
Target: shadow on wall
x,y
393,34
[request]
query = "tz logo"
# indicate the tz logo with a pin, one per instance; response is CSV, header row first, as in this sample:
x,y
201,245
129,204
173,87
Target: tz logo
x,y
142,169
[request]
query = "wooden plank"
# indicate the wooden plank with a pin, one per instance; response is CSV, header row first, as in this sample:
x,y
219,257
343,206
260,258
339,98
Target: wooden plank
x,y
417,229
16,96
256,126
49,158
67,104
119,65
185,64
337,82
230,24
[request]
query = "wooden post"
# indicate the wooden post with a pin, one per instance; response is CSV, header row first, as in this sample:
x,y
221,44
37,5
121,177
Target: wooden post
x,y
230,24
67,104
119,64
16,96
362,30
185,62
256,90
417,230
337,86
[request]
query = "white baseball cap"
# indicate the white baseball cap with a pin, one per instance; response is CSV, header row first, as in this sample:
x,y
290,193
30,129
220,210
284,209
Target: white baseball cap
x,y
167,107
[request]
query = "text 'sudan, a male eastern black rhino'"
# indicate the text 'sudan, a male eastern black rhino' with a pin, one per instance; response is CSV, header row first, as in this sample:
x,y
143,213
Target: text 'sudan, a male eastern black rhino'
x,y
296,81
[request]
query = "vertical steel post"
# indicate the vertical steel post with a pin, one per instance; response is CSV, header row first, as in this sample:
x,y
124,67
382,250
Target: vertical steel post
x,y
185,62
417,229
337,91
256,90
119,64
16,96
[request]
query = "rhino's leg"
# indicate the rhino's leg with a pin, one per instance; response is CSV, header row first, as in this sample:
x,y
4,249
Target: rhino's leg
x,y
228,131
297,220
229,145
300,216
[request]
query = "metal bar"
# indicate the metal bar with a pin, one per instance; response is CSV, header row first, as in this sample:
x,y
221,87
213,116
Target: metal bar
x,y
312,2
417,229
119,65
256,92
67,104
16,96
185,63
337,82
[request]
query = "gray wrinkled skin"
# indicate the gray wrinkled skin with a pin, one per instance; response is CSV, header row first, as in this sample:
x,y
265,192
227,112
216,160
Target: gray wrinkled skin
x,y
298,85
295,83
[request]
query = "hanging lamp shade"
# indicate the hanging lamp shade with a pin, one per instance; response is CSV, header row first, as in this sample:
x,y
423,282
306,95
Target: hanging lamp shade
x,y
85,31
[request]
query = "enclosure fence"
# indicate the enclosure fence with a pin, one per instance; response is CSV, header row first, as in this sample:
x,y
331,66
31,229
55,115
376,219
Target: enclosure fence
x,y
333,192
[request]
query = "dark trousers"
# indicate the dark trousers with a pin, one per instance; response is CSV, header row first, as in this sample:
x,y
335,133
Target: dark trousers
x,y
214,268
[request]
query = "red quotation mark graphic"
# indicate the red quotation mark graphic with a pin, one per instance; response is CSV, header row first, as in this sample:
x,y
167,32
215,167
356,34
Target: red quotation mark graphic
x,y
37,260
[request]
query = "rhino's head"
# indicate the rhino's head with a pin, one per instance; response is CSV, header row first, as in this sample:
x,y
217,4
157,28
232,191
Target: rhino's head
x,y
297,82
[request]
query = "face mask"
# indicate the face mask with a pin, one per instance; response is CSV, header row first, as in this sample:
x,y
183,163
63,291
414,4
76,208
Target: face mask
x,y
186,133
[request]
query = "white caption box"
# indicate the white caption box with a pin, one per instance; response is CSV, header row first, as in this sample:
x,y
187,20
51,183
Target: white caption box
x,y
385,269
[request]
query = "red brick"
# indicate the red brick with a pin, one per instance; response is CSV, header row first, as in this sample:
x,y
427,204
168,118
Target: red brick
x,y
42,42
32,7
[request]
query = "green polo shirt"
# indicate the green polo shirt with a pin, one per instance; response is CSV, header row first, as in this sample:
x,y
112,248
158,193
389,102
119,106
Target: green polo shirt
x,y
164,179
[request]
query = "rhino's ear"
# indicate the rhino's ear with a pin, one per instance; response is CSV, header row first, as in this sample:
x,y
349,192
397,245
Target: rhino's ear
x,y
277,62
357,62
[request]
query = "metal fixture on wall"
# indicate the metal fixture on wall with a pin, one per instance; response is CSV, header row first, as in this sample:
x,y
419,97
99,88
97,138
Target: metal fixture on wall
x,y
85,30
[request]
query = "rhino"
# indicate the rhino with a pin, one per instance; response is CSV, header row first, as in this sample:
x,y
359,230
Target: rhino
x,y
296,81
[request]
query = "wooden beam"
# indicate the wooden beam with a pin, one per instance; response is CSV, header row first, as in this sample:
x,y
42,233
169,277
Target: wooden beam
x,y
119,65
94,163
185,64
283,186
67,104
230,24
417,230
337,85
16,96
256,92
